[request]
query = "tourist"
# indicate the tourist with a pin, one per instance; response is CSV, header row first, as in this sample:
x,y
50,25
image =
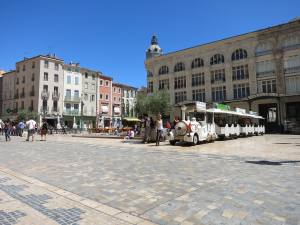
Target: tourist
x,y
176,120
7,130
21,127
1,127
44,130
159,129
147,129
129,135
31,124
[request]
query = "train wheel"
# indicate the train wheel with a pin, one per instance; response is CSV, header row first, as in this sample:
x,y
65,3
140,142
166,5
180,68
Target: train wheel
x,y
195,140
173,142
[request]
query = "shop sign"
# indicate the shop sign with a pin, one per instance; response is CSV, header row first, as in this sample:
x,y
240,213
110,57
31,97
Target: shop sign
x,y
200,106
222,106
239,110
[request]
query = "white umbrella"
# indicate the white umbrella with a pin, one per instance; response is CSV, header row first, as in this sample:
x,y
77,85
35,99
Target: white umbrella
x,y
74,123
58,126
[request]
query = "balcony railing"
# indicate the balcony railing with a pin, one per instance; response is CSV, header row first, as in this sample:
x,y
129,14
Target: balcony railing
x,y
44,109
17,96
55,96
69,112
292,70
55,110
69,98
31,93
265,73
45,95
22,95
267,52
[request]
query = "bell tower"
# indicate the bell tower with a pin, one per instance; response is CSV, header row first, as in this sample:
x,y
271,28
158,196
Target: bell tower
x,y
154,49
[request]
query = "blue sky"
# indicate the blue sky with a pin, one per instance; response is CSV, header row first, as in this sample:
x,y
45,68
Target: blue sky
x,y
112,36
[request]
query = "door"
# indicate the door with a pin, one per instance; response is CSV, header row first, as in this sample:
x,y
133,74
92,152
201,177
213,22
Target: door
x,y
270,113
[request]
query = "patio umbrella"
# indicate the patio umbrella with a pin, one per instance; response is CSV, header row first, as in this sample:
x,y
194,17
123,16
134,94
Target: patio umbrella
x,y
58,126
74,123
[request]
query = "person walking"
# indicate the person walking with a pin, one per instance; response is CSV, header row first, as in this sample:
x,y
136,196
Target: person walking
x,y
1,127
31,124
7,130
147,129
21,127
159,129
44,130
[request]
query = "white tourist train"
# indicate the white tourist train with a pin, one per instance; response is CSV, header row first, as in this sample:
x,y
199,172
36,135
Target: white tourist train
x,y
200,124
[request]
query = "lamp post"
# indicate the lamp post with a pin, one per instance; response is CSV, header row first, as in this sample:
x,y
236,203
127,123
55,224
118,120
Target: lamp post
x,y
44,97
81,114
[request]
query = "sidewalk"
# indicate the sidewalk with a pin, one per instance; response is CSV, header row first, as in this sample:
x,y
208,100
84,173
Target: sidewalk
x,y
24,200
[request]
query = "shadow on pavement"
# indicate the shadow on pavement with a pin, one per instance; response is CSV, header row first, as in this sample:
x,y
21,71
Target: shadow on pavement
x,y
272,163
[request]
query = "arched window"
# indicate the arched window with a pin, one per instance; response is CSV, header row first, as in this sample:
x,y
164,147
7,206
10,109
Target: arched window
x,y
263,47
163,70
239,54
149,74
198,62
291,40
217,59
179,67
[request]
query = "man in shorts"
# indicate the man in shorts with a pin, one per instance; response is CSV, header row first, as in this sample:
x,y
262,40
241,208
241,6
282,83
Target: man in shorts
x,y
31,124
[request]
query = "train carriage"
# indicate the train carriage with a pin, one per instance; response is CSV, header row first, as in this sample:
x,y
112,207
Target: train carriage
x,y
200,124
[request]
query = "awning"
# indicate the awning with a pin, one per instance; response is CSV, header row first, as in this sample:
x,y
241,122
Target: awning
x,y
104,108
132,119
117,109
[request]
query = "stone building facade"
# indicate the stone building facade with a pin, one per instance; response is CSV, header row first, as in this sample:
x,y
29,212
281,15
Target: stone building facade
x,y
105,101
35,85
258,71
89,97
67,94
128,101
116,104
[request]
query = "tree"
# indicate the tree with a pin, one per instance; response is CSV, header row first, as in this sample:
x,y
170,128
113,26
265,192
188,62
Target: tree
x,y
154,103
24,115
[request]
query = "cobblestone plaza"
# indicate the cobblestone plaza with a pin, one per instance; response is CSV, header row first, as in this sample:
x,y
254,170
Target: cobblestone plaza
x,y
99,181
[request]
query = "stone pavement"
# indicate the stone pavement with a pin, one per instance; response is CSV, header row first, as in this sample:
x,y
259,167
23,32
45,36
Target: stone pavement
x,y
167,185
24,200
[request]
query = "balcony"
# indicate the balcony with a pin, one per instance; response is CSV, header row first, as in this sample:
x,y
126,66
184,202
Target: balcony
x,y
17,96
22,95
292,70
266,52
55,110
55,96
45,95
32,93
44,109
69,112
69,98
265,73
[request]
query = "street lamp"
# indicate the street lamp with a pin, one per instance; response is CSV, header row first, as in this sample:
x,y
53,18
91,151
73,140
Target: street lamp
x,y
81,114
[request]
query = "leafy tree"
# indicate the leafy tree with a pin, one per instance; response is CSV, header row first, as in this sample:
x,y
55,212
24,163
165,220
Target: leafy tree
x,y
154,103
24,115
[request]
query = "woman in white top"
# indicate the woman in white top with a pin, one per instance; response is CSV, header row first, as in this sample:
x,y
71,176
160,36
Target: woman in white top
x,y
159,129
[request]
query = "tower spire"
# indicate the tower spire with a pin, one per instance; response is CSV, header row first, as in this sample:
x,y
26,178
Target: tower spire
x,y
154,49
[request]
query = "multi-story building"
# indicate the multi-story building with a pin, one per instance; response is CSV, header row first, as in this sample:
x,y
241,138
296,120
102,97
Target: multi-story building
x,y
8,108
72,95
1,85
116,104
128,101
35,86
89,97
258,71
105,101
